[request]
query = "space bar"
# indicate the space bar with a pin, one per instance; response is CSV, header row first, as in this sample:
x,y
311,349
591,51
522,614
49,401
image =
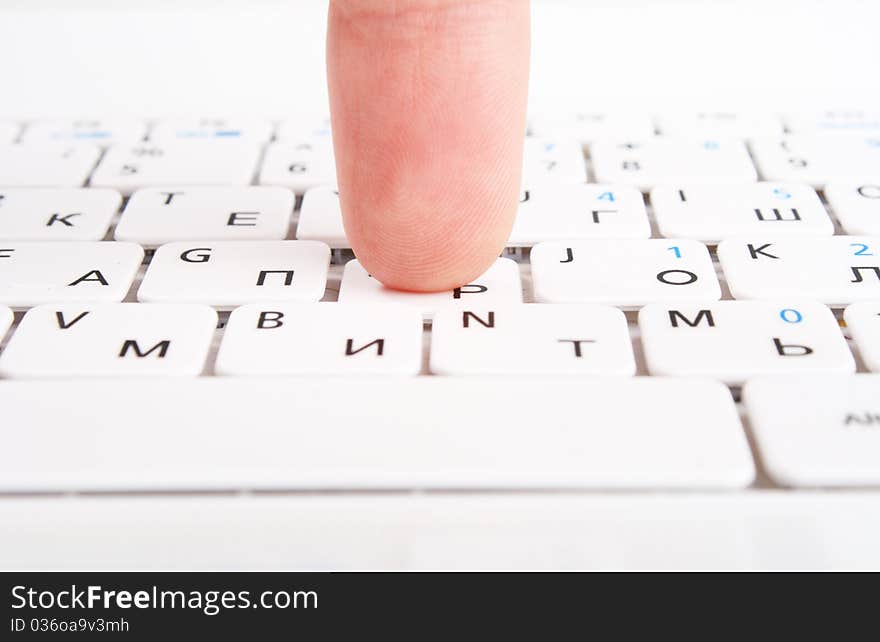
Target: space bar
x,y
216,434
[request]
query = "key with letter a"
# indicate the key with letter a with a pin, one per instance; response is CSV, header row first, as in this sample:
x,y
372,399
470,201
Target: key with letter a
x,y
818,159
836,271
856,205
226,274
498,285
82,271
161,215
321,339
735,340
532,339
625,273
863,321
671,161
47,165
710,213
110,340
177,163
56,214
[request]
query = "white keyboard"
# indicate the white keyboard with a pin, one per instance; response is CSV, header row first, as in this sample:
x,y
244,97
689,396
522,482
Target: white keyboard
x,y
689,306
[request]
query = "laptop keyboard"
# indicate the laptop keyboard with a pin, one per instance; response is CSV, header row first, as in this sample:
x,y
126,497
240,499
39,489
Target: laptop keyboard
x,y
686,302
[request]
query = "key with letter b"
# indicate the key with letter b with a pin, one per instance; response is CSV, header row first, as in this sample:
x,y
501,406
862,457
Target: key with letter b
x,y
625,273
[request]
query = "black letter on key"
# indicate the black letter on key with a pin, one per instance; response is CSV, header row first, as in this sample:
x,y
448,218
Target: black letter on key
x,y
243,216
690,276
782,349
596,216
569,256
288,278
4,255
577,344
199,258
857,271
478,289
525,197
350,349
777,215
870,191
57,218
162,347
98,277
755,251
675,315
467,316
169,196
265,320
59,316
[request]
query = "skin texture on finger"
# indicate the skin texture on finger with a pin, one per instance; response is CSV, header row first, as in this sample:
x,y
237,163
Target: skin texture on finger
x,y
428,105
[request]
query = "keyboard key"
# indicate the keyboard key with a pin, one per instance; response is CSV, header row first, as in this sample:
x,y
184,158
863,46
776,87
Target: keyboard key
x,y
299,166
197,129
371,433
624,273
856,205
46,165
5,320
532,339
671,161
320,218
736,340
818,430
819,159
160,215
99,131
836,271
110,340
579,211
863,321
552,162
56,214
709,125
499,285
321,339
8,131
294,130
226,274
711,213
835,121
586,128
177,164
77,271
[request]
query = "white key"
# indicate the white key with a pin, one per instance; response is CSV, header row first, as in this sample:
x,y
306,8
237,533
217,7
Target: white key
x,y
735,340
99,131
56,214
708,125
710,213
818,159
670,161
856,205
586,127
198,129
835,121
110,340
294,130
320,218
5,320
321,339
371,433
299,166
560,212
498,285
552,162
8,131
817,431
160,215
177,164
624,273
76,271
532,339
836,271
863,321
226,274
46,165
